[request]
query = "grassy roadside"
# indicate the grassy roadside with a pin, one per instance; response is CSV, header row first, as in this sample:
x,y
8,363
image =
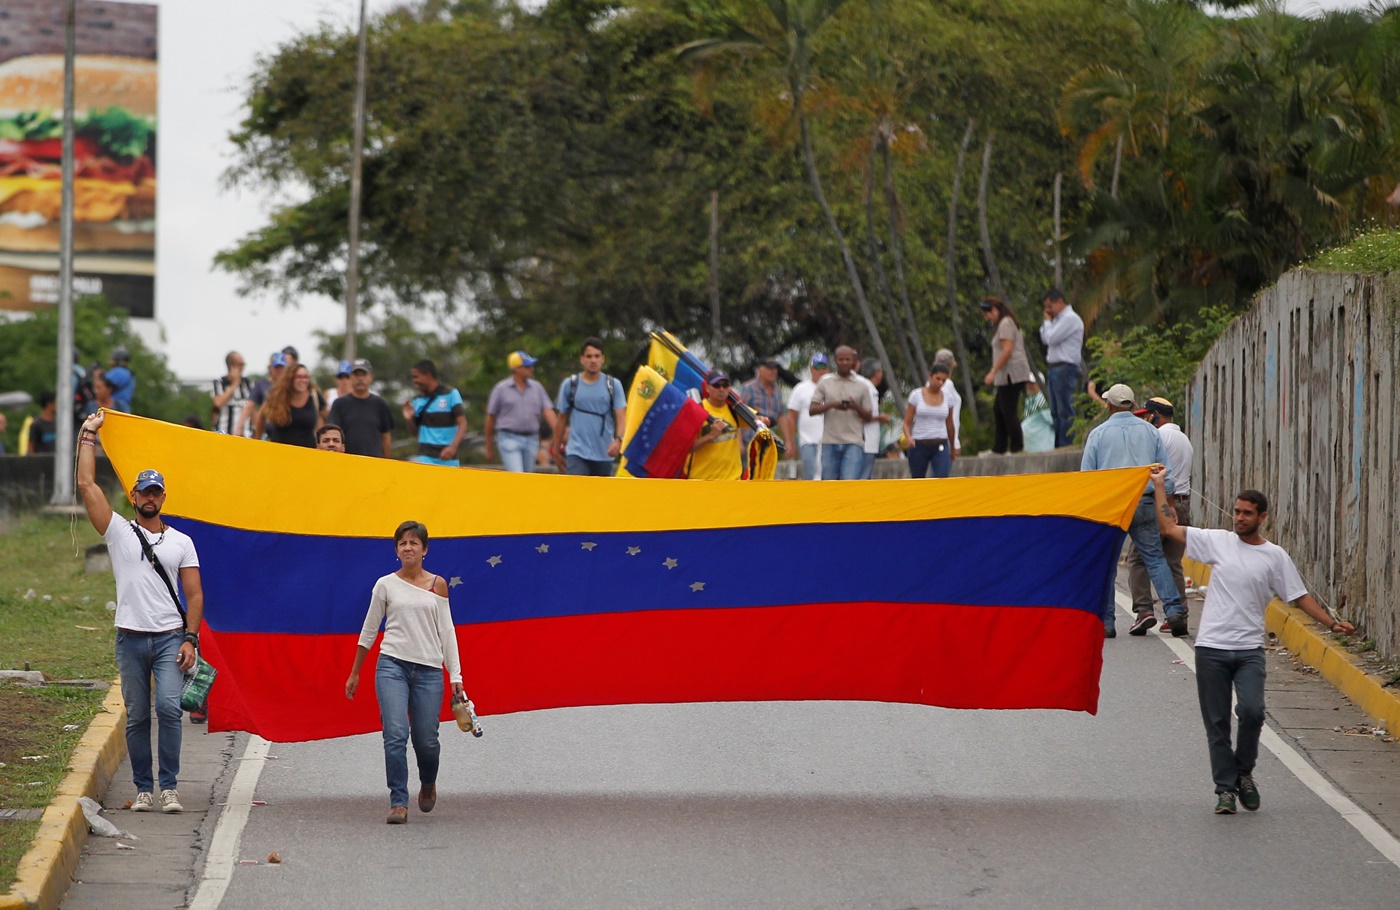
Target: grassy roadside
x,y
62,628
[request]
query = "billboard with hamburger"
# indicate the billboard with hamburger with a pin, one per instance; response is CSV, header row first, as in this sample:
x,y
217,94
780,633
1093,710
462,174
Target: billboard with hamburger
x,y
114,207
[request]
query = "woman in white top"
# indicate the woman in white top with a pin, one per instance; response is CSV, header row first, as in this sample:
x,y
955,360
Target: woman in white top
x,y
419,639
928,425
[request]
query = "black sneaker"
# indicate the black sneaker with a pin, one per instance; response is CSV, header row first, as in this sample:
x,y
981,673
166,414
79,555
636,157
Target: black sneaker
x,y
1249,793
1142,624
1177,623
1110,632
1225,805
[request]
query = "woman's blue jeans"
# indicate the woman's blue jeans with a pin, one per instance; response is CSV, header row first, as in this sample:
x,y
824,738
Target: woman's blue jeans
x,y
410,703
937,455
142,657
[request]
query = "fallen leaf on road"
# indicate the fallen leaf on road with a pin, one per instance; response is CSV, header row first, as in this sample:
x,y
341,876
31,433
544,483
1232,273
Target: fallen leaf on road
x,y
274,857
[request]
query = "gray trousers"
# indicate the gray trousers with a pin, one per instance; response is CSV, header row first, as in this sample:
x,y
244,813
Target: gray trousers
x,y
1217,673
1139,586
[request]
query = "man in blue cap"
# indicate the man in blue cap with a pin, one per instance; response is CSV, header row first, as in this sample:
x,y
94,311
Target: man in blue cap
x,y
342,383
513,413
157,636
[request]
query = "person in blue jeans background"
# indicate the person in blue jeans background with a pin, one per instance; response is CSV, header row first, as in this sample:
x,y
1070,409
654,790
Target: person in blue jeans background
x,y
1063,334
1125,441
154,641
843,402
419,639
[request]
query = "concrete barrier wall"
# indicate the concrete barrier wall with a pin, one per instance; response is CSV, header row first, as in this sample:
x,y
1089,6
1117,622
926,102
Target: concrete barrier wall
x,y
1297,399
1066,459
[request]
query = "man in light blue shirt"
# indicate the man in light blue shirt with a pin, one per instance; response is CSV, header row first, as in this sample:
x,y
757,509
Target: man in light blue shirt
x,y
1063,334
1126,441
592,412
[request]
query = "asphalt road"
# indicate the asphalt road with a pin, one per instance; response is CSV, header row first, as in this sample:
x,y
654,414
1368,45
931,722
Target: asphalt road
x,y
812,805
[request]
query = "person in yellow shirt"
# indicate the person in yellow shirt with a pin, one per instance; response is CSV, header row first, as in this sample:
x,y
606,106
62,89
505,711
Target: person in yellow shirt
x,y
715,454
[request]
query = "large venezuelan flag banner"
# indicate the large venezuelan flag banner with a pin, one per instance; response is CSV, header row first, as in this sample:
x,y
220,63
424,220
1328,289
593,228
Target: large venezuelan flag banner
x,y
568,591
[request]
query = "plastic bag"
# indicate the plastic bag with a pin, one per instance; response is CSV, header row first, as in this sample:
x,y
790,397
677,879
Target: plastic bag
x,y
198,682
92,811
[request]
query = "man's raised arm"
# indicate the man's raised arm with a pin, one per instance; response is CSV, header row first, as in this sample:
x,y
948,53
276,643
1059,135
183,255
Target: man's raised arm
x,y
1166,515
99,510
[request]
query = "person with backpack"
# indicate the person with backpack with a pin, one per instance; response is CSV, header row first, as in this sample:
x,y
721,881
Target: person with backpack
x,y
592,412
438,416
157,636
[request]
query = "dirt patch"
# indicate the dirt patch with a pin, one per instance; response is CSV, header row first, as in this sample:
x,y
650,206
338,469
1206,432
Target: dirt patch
x,y
26,723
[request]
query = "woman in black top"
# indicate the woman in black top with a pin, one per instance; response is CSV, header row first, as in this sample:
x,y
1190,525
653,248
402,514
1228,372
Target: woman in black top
x,y
292,412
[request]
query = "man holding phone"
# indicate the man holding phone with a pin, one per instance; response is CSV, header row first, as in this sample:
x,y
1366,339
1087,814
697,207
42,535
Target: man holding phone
x,y
840,399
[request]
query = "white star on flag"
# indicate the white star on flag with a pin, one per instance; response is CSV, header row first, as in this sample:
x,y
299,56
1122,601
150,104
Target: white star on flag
x,y
698,586
542,548
670,563
633,551
456,580
588,545
495,561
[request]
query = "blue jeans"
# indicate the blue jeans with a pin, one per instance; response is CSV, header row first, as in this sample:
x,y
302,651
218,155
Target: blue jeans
x,y
1217,672
842,461
517,450
1147,537
923,455
410,703
587,467
1063,381
142,656
811,455
867,465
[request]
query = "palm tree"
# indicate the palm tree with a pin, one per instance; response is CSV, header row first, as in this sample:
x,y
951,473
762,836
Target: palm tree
x,y
786,34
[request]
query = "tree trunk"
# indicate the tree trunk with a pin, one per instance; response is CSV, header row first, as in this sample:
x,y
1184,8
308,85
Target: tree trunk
x,y
877,264
989,263
857,288
1059,258
970,398
715,327
1117,168
897,247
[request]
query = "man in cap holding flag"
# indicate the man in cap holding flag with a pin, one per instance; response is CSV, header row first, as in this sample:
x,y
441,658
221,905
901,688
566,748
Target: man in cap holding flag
x,y
157,637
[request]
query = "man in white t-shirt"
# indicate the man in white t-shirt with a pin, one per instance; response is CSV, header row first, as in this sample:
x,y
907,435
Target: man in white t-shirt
x,y
809,428
153,639
1247,571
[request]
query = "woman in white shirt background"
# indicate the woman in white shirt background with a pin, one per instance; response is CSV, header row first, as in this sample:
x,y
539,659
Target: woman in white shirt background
x,y
928,425
419,639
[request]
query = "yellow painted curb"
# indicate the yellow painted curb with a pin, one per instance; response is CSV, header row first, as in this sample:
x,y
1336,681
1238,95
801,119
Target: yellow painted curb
x,y
46,871
1300,634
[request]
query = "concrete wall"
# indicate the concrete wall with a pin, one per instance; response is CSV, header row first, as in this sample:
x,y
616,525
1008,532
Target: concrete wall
x,y
1026,463
1298,399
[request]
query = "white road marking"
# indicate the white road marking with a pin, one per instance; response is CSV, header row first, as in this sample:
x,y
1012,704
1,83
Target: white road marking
x,y
223,847
1374,832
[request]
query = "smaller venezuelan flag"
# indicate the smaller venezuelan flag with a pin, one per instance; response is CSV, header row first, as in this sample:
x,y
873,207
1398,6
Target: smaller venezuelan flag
x,y
662,422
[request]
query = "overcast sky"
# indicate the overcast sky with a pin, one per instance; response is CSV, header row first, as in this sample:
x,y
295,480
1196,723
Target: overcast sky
x,y
207,52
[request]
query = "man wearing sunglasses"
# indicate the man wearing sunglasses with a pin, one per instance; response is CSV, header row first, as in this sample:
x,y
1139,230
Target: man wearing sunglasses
x,y
715,454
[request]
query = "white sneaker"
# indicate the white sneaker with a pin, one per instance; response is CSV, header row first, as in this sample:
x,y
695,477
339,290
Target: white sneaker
x,y
170,801
143,802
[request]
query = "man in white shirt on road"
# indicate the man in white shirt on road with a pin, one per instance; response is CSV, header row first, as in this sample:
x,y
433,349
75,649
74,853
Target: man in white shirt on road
x,y
1246,572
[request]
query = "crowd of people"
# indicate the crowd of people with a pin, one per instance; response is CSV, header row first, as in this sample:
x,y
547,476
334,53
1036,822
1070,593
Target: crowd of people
x,y
832,422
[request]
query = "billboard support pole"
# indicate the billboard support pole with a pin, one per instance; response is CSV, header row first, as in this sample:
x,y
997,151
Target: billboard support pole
x,y
352,272
63,383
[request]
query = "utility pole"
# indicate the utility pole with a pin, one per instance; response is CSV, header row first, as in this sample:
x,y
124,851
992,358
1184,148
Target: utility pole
x,y
63,384
352,272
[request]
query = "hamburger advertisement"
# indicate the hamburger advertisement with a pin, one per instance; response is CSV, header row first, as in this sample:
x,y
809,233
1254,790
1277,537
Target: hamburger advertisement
x,y
115,177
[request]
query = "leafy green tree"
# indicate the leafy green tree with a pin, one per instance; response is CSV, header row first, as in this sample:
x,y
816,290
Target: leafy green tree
x,y
31,351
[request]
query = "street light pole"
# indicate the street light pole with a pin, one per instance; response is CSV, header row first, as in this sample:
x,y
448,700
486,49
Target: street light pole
x,y
352,272
63,384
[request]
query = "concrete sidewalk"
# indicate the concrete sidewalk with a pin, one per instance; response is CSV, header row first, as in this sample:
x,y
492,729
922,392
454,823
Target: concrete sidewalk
x,y
165,868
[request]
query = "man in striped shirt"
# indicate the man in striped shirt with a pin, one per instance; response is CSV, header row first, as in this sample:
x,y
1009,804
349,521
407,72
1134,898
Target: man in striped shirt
x,y
231,393
438,415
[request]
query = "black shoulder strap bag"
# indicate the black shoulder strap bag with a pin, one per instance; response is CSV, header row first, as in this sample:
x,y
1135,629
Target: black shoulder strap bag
x,y
200,679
